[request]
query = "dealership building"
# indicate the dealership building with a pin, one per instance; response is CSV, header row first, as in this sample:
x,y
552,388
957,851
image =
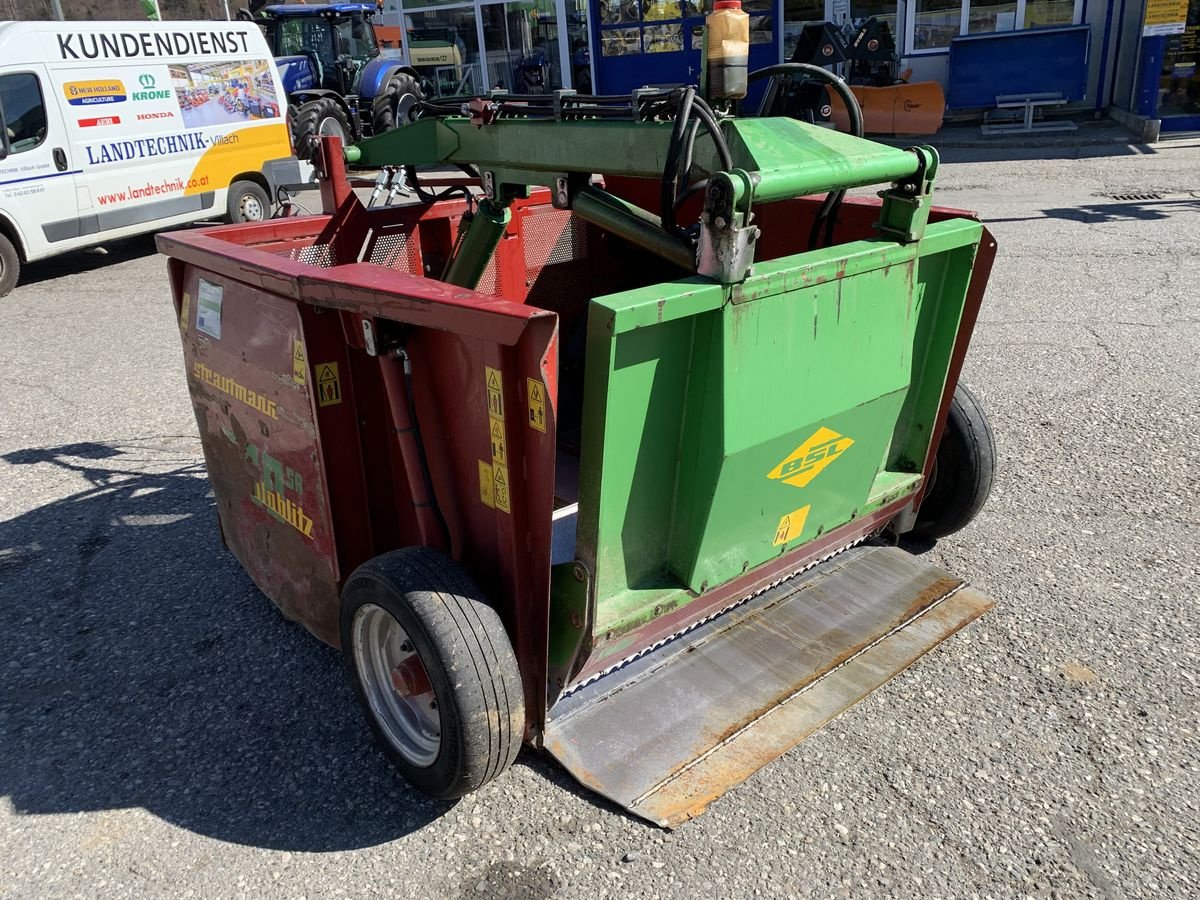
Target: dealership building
x,y
1134,58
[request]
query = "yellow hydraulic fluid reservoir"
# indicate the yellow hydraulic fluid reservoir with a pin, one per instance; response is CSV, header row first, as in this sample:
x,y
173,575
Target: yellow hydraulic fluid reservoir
x,y
728,50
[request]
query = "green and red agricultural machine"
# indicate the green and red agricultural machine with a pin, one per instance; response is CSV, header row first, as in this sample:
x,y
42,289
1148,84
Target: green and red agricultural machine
x,y
608,450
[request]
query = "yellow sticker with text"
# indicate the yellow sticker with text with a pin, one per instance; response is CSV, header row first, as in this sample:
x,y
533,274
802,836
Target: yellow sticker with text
x,y
329,386
185,311
791,525
299,363
499,450
485,485
495,392
500,488
808,460
537,404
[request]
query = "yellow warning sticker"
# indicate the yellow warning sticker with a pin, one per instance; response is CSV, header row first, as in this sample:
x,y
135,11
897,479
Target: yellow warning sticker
x,y
486,494
329,386
495,393
185,311
791,525
499,450
500,495
808,460
299,363
537,404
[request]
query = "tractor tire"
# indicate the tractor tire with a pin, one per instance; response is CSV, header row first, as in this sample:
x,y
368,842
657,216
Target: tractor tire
x,y
247,202
963,470
316,119
10,265
390,107
434,671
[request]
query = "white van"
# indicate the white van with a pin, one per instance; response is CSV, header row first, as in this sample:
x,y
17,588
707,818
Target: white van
x,y
109,129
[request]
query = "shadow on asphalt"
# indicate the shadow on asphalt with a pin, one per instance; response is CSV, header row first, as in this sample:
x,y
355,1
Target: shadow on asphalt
x,y
1100,213
142,668
75,262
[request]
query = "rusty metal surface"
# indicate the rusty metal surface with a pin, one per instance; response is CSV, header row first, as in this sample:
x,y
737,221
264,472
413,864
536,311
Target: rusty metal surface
x,y
677,728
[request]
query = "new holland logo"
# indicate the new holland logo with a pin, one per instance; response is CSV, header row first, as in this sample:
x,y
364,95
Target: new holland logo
x,y
808,460
148,92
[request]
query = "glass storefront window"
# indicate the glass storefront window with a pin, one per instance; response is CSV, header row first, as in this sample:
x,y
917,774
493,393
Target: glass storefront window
x,y
935,22
657,10
884,10
443,47
664,38
521,46
1040,13
995,16
797,14
618,12
621,41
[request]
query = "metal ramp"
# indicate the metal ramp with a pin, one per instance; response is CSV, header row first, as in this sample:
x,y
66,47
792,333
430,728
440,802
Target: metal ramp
x,y
675,729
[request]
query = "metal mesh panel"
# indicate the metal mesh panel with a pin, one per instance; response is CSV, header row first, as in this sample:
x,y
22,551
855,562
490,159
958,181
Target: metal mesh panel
x,y
552,236
488,280
315,255
394,250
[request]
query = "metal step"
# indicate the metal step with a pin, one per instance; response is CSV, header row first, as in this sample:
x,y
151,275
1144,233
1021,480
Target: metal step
x,y
675,729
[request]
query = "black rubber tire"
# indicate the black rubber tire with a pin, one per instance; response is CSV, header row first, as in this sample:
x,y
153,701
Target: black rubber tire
x,y
237,203
10,265
392,98
467,655
963,470
306,127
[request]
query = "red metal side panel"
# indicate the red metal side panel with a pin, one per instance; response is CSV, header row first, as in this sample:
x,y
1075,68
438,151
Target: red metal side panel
x,y
257,426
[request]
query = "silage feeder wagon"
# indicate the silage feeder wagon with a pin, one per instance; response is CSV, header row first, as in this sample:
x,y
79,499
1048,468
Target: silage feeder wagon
x,y
611,465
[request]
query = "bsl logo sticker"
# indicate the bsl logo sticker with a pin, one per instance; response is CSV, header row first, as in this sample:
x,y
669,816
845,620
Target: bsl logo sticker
x,y
808,460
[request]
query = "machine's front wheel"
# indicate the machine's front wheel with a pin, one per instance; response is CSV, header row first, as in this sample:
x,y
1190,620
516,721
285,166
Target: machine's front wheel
x,y
316,119
391,105
962,470
434,671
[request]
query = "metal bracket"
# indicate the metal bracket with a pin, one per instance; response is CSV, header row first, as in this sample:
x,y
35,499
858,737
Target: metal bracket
x,y
727,233
906,205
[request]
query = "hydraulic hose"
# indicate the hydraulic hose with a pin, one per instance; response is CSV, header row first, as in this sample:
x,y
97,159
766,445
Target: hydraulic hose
x,y
827,214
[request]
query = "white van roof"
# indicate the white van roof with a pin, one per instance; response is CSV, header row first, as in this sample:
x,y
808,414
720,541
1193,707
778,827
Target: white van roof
x,y
81,43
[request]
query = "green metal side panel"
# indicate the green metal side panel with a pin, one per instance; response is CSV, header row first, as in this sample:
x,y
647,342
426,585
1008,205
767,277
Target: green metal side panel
x,y
725,426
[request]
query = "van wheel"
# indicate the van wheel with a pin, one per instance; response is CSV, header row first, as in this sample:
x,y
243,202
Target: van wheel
x,y
316,119
248,202
10,265
434,671
391,105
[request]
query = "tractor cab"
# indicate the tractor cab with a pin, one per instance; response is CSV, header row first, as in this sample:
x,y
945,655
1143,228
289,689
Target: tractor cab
x,y
337,39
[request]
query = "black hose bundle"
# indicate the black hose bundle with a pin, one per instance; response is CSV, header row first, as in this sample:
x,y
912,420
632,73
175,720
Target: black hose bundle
x,y
691,112
828,212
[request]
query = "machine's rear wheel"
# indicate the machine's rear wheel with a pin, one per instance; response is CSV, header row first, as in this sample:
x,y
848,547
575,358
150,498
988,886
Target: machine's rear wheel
x,y
316,119
434,671
391,105
962,470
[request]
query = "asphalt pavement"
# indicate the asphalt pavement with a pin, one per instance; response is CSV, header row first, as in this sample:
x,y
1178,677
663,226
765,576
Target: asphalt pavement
x,y
164,732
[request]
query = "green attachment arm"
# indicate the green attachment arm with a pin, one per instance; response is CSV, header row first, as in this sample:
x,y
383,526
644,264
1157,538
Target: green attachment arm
x,y
632,223
476,243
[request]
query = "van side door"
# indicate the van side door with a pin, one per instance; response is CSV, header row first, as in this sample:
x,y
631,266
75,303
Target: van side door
x,y
37,178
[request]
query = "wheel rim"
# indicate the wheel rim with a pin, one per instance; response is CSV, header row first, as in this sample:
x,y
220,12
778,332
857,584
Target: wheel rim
x,y
393,677
404,103
250,208
331,127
